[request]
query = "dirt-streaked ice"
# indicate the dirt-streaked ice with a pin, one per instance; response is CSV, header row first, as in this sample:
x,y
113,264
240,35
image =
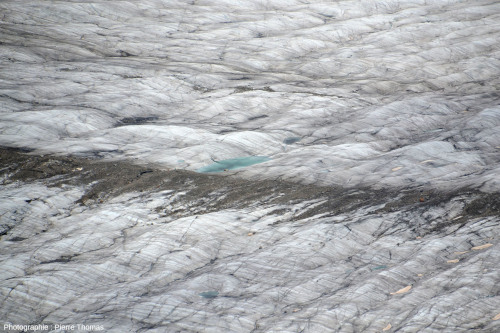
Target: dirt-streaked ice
x,y
396,96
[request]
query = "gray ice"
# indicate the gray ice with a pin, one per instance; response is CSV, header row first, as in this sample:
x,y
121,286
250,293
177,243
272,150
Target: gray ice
x,y
396,96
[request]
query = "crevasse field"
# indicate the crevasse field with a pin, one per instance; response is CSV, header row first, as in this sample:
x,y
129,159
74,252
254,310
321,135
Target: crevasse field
x,y
250,165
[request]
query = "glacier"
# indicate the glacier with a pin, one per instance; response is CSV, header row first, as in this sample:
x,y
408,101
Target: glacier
x,y
356,146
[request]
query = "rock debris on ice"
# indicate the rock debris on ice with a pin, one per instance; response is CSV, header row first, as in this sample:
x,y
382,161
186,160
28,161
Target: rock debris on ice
x,y
375,207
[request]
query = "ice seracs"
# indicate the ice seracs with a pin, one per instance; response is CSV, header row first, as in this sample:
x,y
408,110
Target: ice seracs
x,y
375,124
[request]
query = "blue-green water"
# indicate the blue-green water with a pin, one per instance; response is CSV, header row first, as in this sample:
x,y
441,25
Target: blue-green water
x,y
378,267
233,163
209,294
